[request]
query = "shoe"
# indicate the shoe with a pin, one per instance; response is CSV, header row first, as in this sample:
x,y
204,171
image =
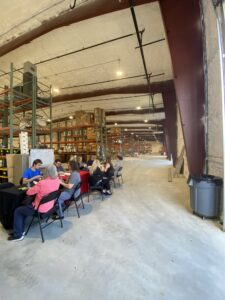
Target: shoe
x,y
23,234
57,217
108,193
16,239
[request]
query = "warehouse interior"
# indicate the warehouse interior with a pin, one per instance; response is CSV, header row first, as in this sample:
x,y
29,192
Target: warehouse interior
x,y
141,78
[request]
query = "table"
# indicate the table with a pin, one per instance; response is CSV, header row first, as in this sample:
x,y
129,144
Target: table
x,y
84,175
10,199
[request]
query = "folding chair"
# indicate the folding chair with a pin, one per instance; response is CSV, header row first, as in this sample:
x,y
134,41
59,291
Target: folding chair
x,y
119,175
76,199
41,216
98,187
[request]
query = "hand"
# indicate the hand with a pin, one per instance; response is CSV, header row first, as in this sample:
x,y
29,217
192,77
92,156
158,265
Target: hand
x,y
37,177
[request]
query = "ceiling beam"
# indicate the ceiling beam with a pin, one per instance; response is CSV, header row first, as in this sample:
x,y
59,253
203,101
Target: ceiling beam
x,y
156,88
88,10
161,122
134,111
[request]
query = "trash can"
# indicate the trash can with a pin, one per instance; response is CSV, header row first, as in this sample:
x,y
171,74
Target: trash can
x,y
205,195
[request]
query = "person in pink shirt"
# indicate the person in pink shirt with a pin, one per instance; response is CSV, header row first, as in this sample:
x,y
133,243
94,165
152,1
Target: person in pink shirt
x,y
50,184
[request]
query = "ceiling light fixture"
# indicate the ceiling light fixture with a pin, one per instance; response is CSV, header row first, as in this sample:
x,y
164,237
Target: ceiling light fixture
x,y
138,107
71,117
119,72
125,129
56,90
145,121
49,120
132,133
115,124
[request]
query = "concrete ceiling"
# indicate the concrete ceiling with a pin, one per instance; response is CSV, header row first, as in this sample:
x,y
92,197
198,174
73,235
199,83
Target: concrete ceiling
x,y
96,58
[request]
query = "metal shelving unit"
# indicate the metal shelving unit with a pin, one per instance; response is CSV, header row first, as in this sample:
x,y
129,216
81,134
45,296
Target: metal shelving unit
x,y
24,95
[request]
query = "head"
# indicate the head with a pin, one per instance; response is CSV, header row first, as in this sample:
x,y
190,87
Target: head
x,y
108,160
96,164
37,164
51,172
58,163
119,157
73,166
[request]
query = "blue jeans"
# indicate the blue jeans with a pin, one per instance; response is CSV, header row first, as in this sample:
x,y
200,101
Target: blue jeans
x,y
63,197
20,215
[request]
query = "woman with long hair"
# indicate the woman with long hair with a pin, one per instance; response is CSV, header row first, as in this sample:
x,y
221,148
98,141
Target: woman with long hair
x,y
97,177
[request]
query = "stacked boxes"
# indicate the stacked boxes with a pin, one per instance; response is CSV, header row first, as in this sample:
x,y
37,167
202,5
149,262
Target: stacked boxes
x,y
24,143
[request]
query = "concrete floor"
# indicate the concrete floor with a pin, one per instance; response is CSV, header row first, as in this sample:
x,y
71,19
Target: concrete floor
x,y
141,243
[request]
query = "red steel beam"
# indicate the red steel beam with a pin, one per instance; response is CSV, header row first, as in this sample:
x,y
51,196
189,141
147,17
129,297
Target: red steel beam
x,y
183,26
89,10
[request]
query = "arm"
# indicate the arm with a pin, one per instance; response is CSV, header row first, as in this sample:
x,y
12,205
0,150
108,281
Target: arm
x,y
26,180
66,185
34,190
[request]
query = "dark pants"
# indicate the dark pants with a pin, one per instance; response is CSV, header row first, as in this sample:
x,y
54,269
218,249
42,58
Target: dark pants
x,y
20,215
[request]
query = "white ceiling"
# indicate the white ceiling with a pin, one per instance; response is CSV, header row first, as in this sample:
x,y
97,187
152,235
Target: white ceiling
x,y
94,65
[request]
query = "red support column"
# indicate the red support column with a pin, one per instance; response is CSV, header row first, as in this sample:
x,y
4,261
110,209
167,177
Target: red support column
x,y
183,26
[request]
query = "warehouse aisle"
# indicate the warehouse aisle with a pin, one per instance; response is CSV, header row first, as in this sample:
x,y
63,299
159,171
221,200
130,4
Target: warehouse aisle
x,y
141,243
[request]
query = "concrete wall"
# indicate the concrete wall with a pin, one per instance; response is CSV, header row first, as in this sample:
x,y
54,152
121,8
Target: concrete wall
x,y
215,157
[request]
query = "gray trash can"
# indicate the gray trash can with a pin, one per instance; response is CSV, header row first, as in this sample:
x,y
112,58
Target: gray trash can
x,y
205,195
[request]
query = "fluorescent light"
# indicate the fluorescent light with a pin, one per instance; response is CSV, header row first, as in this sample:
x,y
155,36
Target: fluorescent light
x,y
138,107
71,117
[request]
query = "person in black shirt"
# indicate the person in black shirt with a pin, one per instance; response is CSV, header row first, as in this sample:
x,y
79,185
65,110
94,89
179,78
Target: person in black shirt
x,y
97,177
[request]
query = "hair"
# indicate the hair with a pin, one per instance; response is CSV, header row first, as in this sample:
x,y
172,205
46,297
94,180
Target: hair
x,y
108,159
57,160
74,165
51,172
95,165
37,161
119,157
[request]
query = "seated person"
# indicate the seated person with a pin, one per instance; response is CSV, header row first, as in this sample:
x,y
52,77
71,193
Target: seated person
x,y
44,187
69,187
33,173
59,166
97,177
108,168
90,161
118,164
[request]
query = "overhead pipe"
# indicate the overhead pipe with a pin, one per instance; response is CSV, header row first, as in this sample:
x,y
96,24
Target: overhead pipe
x,y
131,2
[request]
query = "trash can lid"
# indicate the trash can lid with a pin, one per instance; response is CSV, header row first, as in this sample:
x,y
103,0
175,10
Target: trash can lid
x,y
206,178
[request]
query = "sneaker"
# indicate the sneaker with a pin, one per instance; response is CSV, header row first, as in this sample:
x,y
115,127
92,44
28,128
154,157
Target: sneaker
x,y
57,217
23,234
108,193
16,239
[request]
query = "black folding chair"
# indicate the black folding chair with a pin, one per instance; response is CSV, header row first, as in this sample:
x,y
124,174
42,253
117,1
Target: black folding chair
x,y
75,199
97,187
41,216
118,176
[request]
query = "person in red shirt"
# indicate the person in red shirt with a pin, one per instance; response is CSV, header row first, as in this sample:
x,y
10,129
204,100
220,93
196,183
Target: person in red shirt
x,y
50,184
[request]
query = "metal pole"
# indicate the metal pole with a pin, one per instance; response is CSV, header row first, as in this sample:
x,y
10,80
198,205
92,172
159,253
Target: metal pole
x,y
221,33
5,119
34,106
50,108
11,109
